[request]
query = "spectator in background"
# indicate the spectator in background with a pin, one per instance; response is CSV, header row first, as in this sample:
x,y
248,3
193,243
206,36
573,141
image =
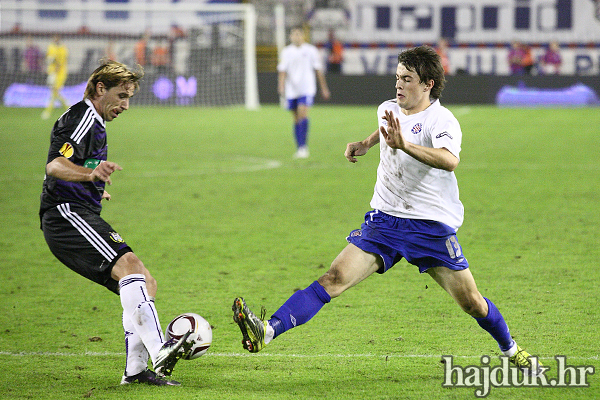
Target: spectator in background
x,y
57,56
160,57
527,60
141,49
175,33
551,60
515,58
442,51
32,57
110,51
336,54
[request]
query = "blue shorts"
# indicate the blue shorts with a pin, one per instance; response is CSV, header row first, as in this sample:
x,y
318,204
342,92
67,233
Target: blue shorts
x,y
293,104
423,243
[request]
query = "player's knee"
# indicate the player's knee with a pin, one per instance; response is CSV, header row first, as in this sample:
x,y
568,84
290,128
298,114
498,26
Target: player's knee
x,y
129,264
333,282
474,307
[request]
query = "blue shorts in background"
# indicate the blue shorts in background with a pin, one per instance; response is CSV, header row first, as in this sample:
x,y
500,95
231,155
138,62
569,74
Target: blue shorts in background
x,y
293,104
423,243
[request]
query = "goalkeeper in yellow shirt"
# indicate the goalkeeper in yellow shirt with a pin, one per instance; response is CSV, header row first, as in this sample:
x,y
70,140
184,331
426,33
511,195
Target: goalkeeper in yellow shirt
x,y
56,60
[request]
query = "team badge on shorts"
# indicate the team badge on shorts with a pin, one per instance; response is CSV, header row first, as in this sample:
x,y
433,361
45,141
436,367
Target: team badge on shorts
x,y
357,232
417,128
116,237
66,150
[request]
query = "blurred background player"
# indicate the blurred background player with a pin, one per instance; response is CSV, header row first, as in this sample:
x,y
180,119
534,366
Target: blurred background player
x,y
298,64
57,56
77,171
416,213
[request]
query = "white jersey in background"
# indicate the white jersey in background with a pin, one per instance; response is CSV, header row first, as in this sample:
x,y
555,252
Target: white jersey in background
x,y
299,63
407,188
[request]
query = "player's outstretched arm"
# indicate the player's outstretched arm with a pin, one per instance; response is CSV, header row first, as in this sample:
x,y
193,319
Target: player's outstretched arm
x,y
356,149
64,169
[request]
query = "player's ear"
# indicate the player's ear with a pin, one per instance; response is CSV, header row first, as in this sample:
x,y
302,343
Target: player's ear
x,y
429,85
100,88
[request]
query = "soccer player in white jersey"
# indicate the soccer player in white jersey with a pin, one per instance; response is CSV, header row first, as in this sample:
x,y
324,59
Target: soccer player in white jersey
x,y
298,64
416,213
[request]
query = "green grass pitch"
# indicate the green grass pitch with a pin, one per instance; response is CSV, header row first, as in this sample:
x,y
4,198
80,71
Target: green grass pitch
x,y
213,203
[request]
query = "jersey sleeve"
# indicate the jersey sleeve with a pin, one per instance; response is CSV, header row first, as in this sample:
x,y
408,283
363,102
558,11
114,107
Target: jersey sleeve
x,y
447,134
63,142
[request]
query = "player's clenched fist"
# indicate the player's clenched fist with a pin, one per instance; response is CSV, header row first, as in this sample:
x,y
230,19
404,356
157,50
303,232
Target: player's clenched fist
x,y
103,171
355,149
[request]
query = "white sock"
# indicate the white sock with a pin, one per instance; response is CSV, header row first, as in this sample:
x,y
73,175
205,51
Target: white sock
x,y
137,304
269,333
135,351
511,352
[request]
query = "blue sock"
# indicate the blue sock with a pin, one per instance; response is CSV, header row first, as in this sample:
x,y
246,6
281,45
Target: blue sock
x,y
299,308
495,325
301,131
297,129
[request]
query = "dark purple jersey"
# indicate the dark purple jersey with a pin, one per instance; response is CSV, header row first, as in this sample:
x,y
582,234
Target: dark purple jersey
x,y
80,136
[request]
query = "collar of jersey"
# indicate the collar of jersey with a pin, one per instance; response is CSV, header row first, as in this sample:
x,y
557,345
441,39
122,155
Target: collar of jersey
x,y
98,117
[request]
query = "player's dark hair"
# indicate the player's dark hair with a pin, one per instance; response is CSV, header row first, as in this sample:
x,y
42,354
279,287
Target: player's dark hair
x,y
111,74
427,64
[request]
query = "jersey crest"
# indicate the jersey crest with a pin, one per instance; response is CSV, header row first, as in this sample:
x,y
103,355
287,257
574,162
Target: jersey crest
x,y
417,128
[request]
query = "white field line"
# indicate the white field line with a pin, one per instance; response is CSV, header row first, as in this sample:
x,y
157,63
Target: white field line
x,y
245,164
266,355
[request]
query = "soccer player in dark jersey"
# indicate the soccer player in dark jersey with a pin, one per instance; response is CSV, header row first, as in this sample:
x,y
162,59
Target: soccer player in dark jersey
x,y
77,171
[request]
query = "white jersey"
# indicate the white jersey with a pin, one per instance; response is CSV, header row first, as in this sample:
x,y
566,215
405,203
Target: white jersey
x,y
299,63
407,188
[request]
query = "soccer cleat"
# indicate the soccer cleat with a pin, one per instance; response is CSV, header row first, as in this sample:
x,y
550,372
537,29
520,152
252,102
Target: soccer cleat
x,y
149,377
523,360
170,352
302,152
252,327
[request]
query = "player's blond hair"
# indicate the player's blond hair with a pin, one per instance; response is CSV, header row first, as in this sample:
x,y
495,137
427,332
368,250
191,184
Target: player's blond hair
x,y
111,74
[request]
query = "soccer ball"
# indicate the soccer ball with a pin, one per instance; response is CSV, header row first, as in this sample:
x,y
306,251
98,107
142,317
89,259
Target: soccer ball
x,y
201,333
